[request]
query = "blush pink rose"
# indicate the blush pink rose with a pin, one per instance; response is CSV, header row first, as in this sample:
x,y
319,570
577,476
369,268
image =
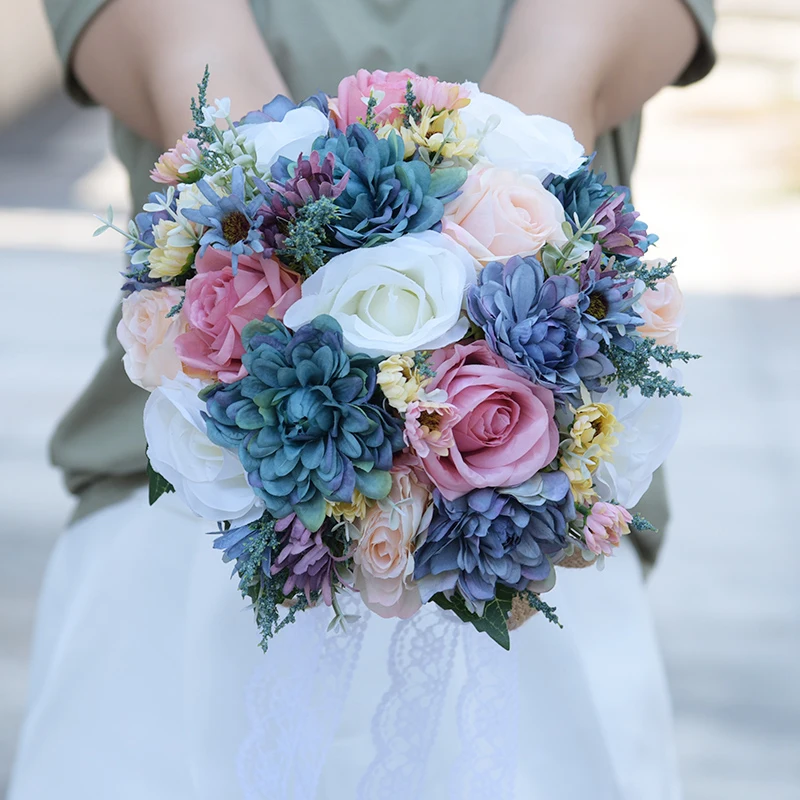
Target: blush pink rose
x,y
384,555
219,304
506,432
662,311
501,213
148,336
349,106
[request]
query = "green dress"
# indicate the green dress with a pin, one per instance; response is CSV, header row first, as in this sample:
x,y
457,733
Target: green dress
x,y
100,443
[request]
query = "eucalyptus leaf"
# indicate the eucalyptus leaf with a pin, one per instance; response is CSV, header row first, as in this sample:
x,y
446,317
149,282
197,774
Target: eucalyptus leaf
x,y
140,257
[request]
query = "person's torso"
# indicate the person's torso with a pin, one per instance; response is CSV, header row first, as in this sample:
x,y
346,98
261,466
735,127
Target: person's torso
x,y
100,444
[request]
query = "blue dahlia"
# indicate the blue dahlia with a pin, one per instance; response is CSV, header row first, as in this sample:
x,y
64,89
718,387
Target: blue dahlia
x,y
233,221
534,323
386,196
485,538
306,420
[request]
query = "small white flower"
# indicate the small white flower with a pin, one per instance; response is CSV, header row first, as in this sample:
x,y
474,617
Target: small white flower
x,y
511,139
394,298
208,478
220,109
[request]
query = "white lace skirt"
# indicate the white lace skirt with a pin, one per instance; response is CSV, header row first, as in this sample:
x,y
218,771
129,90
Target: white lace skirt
x,y
148,684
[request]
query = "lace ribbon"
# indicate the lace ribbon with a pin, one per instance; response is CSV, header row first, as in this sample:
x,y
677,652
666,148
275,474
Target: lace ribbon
x,y
294,704
488,721
404,724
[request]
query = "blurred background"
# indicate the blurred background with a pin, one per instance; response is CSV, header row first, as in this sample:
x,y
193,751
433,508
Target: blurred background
x,y
718,179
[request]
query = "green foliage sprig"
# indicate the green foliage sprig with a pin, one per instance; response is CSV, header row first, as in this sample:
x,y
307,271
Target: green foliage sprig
x,y
307,234
651,274
410,110
536,602
634,368
640,523
201,133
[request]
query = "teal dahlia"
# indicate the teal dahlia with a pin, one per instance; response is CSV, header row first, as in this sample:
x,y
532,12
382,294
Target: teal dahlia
x,y
386,196
307,420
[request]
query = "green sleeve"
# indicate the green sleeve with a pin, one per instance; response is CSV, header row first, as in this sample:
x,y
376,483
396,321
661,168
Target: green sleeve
x,y
68,19
705,57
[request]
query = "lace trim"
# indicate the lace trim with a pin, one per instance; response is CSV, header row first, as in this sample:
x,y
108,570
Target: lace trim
x,y
405,723
488,721
294,705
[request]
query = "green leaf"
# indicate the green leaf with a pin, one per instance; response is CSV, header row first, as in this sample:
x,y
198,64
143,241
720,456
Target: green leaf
x,y
494,621
158,484
446,181
375,485
100,230
312,513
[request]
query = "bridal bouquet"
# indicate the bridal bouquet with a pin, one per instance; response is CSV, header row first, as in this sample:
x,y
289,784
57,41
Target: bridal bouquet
x,y
401,342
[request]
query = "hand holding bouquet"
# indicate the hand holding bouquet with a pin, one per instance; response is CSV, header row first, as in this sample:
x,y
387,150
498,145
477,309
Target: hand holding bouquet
x,y
401,342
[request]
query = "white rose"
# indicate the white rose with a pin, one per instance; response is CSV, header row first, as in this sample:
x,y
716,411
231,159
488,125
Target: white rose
x,y
404,295
650,430
208,478
295,134
529,143
148,335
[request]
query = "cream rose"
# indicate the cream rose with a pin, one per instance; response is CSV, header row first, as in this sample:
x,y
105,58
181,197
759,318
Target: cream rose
x,y
662,311
209,479
396,297
501,213
387,538
534,144
148,336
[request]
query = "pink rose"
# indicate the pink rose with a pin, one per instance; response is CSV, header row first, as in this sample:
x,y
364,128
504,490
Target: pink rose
x,y
662,311
148,336
350,105
506,432
501,213
605,526
219,304
441,95
167,168
384,555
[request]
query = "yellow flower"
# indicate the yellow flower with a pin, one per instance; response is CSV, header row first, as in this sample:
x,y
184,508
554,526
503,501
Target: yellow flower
x,y
440,135
580,482
350,512
400,381
592,433
172,252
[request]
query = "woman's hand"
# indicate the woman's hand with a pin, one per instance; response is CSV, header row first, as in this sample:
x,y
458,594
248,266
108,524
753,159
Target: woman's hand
x,y
142,60
590,63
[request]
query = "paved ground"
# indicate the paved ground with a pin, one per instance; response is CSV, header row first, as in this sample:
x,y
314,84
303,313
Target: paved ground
x,y
719,178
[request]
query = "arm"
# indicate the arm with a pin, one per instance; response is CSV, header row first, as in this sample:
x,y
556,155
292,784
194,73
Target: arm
x,y
601,59
142,60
